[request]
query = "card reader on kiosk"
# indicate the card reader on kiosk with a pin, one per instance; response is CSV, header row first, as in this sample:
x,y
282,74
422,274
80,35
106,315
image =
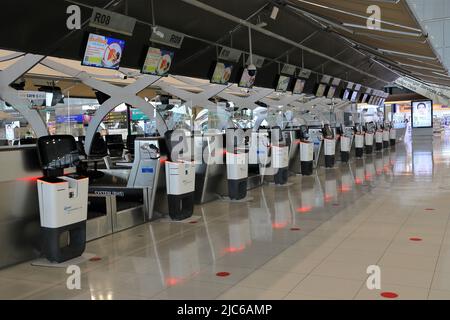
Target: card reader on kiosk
x,y
237,163
180,176
63,199
306,152
359,141
329,145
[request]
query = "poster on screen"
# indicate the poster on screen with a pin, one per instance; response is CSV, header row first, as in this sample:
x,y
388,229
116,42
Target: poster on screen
x,y
422,114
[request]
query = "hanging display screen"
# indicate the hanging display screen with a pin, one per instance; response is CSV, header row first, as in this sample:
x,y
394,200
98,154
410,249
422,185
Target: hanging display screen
x,y
283,83
299,86
103,52
331,92
222,73
157,62
247,80
321,90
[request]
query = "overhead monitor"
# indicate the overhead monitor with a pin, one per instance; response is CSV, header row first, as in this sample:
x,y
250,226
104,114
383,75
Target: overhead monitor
x,y
222,73
283,83
157,61
331,92
247,80
103,52
321,90
299,86
310,87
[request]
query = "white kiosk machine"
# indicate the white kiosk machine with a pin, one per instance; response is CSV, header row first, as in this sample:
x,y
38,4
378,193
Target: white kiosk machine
x,y
306,152
237,163
180,176
370,132
280,156
392,135
63,199
386,135
359,141
346,143
379,137
329,146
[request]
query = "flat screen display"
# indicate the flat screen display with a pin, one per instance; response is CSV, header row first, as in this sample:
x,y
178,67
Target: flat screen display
x,y
283,83
157,62
103,52
354,96
364,98
321,90
247,81
331,92
299,86
222,73
346,94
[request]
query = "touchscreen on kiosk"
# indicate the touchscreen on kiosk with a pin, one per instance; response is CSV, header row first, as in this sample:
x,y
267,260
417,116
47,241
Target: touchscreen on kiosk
x,y
157,61
283,83
221,73
103,52
247,80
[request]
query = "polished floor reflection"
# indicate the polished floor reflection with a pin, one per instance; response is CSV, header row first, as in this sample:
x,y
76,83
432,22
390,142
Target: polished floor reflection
x,y
313,239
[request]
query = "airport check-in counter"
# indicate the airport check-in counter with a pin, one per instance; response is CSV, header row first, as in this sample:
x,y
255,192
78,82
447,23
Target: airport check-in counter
x,y
293,141
316,137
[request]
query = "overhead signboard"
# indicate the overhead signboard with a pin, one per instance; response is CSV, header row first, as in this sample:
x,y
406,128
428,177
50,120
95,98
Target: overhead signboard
x,y
112,21
258,61
435,93
230,54
288,69
304,73
167,37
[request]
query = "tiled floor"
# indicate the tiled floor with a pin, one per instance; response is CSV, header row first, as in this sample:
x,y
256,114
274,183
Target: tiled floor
x,y
350,217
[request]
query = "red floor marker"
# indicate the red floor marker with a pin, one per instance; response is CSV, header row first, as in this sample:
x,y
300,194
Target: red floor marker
x,y
335,204
222,274
304,209
93,259
193,222
429,209
415,239
295,229
389,295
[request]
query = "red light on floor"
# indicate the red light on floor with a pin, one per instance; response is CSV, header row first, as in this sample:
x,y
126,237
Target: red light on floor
x,y
429,209
327,197
415,239
222,274
295,229
172,281
234,249
358,181
368,177
304,209
389,295
345,188
279,225
379,172
193,222
94,259
30,179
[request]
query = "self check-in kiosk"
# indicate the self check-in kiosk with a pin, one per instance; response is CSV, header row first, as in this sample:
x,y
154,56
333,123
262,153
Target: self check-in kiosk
x,y
306,152
369,137
180,176
329,145
237,163
345,143
379,137
359,141
392,135
279,156
63,199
